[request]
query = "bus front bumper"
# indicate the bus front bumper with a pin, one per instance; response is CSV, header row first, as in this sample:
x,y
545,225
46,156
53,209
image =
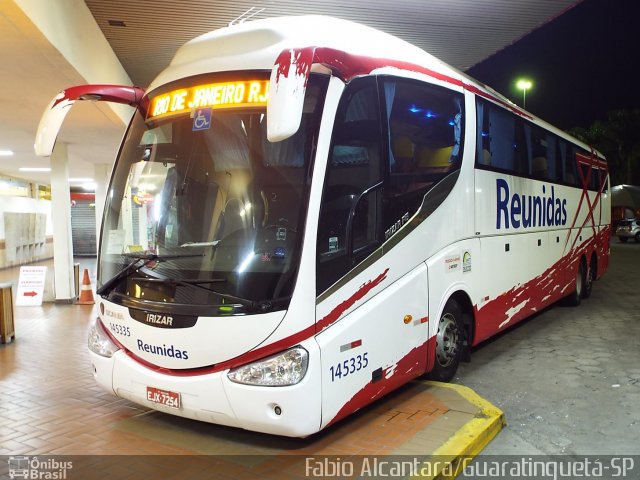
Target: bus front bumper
x,y
293,411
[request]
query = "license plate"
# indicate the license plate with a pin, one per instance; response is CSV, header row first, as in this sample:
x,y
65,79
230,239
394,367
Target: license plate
x,y
163,397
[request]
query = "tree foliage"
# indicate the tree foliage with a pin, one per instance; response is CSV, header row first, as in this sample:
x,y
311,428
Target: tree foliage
x,y
618,138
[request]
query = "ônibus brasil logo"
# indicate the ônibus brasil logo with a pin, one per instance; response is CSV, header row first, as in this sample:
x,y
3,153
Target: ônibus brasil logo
x,y
35,468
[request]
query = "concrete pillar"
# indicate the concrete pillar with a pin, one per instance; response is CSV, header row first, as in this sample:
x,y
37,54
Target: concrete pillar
x,y
61,219
101,174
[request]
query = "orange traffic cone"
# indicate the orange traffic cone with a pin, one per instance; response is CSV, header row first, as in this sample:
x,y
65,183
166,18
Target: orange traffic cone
x,y
86,293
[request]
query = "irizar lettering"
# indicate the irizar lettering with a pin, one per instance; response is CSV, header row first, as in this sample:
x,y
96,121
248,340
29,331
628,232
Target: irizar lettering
x,y
161,319
515,210
396,226
163,350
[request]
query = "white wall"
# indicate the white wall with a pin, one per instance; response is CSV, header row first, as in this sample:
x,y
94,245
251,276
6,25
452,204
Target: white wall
x,y
25,205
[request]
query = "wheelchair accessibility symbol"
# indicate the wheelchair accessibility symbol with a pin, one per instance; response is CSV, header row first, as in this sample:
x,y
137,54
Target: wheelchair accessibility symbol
x,y
201,119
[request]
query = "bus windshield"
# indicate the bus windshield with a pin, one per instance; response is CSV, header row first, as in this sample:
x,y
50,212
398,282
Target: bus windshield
x,y
204,211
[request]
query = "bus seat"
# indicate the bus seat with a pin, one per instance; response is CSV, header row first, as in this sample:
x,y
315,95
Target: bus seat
x,y
486,157
350,155
403,153
439,158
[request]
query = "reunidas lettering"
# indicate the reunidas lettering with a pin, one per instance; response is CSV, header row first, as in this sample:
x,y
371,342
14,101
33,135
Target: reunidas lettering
x,y
528,210
163,350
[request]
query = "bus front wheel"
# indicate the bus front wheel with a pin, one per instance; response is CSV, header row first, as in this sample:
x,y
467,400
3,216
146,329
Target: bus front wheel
x,y
449,342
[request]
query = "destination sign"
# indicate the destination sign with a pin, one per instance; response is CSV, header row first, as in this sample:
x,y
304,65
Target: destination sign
x,y
241,94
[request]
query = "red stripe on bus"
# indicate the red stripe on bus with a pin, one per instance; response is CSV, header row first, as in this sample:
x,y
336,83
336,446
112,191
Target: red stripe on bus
x,y
347,66
551,285
339,310
271,348
411,366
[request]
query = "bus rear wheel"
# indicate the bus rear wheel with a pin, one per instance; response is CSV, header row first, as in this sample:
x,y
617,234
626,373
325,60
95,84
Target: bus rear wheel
x,y
589,278
575,298
449,342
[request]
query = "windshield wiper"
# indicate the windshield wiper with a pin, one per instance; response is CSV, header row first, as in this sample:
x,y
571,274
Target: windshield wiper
x,y
201,244
135,264
158,258
262,306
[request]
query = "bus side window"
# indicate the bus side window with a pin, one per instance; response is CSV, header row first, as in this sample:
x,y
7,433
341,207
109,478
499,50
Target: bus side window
x,y
483,139
570,165
502,140
595,179
541,155
349,226
520,165
425,144
555,173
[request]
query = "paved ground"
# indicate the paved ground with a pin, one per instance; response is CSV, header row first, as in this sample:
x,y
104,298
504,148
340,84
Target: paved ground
x,y
568,379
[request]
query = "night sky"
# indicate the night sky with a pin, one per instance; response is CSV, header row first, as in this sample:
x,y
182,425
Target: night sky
x,y
583,64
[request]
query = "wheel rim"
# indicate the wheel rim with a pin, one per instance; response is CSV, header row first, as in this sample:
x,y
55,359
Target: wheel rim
x,y
579,281
589,277
447,340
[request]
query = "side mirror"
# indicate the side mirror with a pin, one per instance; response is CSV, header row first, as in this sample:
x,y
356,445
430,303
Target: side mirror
x,y
287,87
54,115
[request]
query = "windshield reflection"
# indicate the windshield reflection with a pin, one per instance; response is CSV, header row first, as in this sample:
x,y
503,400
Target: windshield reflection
x,y
220,203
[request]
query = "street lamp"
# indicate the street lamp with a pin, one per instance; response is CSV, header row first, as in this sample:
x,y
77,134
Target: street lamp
x,y
524,85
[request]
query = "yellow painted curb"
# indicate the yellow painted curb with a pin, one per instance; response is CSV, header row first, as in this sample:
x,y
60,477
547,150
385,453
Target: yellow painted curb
x,y
458,451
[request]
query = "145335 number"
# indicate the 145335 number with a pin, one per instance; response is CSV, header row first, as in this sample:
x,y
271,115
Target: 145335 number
x,y
349,366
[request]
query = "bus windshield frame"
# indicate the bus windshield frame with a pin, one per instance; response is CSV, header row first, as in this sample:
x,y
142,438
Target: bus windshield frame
x,y
203,211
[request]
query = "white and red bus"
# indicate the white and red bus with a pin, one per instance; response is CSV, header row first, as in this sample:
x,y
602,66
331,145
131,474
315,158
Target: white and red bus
x,y
307,213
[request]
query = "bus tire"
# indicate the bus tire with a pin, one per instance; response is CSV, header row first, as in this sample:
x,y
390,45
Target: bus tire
x,y
449,342
575,297
589,278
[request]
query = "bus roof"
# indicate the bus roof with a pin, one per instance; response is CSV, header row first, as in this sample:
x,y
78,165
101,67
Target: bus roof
x,y
257,45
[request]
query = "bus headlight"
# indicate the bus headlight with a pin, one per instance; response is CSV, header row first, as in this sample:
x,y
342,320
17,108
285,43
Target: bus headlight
x,y
99,342
286,368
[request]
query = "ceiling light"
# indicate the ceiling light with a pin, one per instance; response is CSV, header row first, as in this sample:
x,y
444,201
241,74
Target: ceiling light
x,y
147,187
6,153
34,169
82,180
89,186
